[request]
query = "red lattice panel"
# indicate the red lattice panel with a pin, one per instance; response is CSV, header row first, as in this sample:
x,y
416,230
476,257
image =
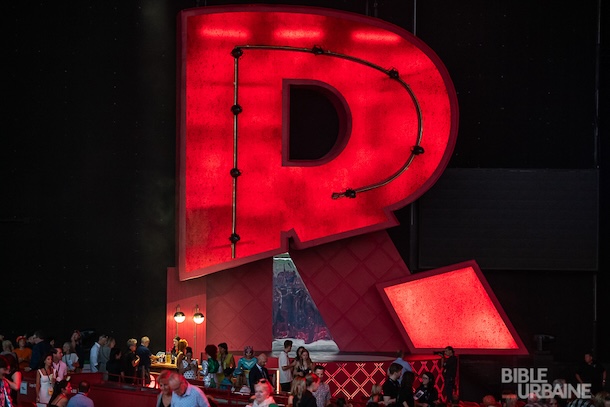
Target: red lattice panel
x,y
353,380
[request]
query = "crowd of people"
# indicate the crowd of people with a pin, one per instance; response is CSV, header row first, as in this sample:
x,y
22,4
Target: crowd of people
x,y
398,388
298,378
53,362
589,373
249,376
52,383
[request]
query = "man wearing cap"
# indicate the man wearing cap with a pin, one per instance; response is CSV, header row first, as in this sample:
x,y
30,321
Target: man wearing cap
x,y
24,354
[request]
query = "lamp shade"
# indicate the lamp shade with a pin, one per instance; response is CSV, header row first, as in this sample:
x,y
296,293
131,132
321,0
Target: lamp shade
x,y
198,317
179,316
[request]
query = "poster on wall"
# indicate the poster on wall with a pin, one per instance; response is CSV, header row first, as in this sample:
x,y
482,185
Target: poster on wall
x,y
295,315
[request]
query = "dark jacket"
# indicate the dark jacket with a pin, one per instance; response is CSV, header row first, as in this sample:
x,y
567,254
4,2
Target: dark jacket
x,y
255,375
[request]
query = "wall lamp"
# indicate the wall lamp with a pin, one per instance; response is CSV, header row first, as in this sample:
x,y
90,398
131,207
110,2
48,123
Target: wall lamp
x,y
179,316
198,316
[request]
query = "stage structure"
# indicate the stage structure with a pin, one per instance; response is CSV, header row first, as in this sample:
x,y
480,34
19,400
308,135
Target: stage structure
x,y
243,198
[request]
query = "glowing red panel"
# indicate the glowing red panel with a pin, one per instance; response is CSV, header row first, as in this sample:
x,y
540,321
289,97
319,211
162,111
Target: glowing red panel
x,y
276,200
372,36
451,306
300,34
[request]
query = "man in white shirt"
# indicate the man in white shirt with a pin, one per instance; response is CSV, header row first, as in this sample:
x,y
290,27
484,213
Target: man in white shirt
x,y
60,369
94,355
285,367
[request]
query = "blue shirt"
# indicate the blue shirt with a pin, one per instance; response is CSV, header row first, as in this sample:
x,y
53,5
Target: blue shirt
x,y
144,353
192,397
80,400
406,367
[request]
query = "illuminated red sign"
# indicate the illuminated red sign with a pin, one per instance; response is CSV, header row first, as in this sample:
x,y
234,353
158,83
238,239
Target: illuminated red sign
x,y
464,312
241,196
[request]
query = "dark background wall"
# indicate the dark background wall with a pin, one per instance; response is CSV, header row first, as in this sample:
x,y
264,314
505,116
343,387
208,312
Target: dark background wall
x,y
88,162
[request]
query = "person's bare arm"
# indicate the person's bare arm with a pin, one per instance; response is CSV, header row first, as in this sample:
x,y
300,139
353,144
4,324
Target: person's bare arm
x,y
387,400
38,385
15,383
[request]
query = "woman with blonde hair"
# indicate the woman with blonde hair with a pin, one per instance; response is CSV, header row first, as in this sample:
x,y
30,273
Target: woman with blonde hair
x,y
312,382
262,394
375,394
131,361
601,398
8,349
70,357
297,388
165,397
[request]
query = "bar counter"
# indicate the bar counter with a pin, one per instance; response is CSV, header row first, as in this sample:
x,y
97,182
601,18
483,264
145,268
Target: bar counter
x,y
158,367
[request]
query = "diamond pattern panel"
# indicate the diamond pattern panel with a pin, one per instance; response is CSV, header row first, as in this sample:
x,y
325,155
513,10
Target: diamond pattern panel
x,y
239,306
341,278
353,380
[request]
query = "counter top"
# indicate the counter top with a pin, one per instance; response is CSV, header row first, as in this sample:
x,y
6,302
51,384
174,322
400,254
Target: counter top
x,y
159,365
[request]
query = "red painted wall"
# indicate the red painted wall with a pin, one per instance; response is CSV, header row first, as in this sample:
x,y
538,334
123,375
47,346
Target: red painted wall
x,y
187,294
340,277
